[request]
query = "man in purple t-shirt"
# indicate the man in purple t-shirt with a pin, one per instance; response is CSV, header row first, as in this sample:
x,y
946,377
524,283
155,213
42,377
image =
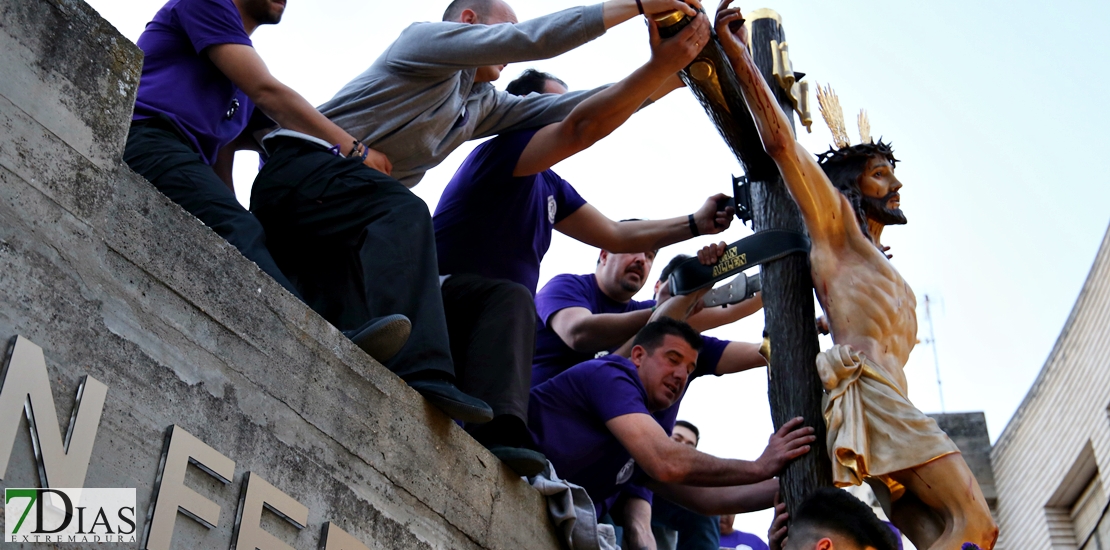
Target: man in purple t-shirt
x,y
595,423
583,315
731,538
493,225
200,83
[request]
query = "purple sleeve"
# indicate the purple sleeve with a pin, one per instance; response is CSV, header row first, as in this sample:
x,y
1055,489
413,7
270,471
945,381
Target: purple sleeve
x,y
610,392
559,293
710,356
211,22
635,489
568,201
498,161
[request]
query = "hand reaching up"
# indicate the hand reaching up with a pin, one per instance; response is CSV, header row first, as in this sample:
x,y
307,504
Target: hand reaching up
x,y
791,441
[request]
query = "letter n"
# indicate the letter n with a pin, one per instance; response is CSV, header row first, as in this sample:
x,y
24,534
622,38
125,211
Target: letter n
x,y
26,385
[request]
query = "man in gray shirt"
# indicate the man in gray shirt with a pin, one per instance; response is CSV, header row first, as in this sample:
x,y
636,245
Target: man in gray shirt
x,y
430,91
358,244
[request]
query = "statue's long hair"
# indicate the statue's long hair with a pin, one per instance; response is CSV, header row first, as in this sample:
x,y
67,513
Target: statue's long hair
x,y
845,166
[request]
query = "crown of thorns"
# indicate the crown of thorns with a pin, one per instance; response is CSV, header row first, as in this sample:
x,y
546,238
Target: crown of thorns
x,y
829,105
858,151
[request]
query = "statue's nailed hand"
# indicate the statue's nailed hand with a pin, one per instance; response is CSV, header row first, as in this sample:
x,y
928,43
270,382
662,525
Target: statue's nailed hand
x,y
791,441
712,218
675,53
731,31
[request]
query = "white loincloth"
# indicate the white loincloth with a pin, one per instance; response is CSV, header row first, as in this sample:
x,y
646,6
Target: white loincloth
x,y
873,429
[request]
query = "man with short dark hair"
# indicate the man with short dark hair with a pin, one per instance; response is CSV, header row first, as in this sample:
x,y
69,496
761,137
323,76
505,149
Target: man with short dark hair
x,y
830,519
595,423
582,315
494,224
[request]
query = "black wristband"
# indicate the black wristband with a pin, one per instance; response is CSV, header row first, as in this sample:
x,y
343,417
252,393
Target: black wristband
x,y
640,7
693,225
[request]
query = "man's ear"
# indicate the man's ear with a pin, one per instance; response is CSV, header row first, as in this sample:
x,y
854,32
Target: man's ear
x,y
825,544
470,17
602,257
638,354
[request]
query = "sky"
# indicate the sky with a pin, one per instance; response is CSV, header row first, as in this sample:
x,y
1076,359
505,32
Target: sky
x,y
994,108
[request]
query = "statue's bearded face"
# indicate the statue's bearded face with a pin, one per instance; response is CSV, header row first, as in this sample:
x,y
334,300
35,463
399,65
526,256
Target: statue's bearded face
x,y
879,189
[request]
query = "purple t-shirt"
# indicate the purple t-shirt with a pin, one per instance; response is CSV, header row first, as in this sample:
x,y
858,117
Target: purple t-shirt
x,y
742,540
553,356
567,417
181,83
490,223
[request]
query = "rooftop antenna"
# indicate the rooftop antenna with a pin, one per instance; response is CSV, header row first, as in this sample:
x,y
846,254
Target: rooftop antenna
x,y
932,341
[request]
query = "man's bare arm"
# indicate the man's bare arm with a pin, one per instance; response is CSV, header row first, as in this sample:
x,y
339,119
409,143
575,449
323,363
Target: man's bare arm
x,y
598,116
713,317
616,12
819,201
637,524
716,501
739,357
242,65
668,461
592,227
587,332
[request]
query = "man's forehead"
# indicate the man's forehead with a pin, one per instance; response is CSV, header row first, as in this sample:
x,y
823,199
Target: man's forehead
x,y
684,432
677,344
878,162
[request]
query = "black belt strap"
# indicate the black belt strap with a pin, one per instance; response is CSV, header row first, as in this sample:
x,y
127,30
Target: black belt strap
x,y
741,255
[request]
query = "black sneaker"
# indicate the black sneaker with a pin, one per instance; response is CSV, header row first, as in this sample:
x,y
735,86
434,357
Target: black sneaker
x,y
525,462
443,394
382,337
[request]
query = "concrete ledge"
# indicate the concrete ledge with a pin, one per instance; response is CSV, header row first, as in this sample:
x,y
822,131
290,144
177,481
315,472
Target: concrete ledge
x,y
114,281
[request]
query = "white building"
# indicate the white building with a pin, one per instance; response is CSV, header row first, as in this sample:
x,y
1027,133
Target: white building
x,y
1052,462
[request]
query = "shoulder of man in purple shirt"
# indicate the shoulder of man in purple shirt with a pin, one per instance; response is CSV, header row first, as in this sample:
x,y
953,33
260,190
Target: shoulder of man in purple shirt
x,y
491,223
567,417
553,355
178,81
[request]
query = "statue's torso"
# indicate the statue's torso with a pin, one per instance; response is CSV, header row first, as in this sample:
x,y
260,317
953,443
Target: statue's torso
x,y
868,304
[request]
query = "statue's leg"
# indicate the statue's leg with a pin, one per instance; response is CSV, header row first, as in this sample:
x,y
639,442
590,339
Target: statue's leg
x,y
916,520
947,486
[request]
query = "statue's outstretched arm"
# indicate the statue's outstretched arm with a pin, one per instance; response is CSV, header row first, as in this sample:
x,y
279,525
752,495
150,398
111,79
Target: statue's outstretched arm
x,y
819,201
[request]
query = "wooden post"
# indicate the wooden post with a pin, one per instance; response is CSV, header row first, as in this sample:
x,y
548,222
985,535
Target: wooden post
x,y
794,387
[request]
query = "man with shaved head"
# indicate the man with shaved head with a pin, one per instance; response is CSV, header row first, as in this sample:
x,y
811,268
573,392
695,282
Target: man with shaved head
x,y
354,240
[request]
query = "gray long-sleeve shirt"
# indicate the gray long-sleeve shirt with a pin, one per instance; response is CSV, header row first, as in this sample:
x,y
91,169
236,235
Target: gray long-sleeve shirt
x,y
418,101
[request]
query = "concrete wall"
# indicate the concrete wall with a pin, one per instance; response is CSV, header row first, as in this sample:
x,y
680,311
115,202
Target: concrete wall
x,y
969,432
1059,438
114,281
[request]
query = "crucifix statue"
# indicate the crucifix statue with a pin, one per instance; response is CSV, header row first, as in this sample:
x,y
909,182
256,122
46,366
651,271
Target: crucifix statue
x,y
847,197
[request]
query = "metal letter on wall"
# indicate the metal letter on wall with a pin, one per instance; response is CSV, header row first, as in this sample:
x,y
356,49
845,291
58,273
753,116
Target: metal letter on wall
x,y
172,495
338,539
257,492
26,385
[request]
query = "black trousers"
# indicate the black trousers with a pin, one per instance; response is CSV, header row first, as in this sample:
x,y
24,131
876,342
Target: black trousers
x,y
357,244
156,151
492,323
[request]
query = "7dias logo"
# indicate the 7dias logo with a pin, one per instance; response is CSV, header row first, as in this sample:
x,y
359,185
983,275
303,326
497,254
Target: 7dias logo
x,y
69,515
